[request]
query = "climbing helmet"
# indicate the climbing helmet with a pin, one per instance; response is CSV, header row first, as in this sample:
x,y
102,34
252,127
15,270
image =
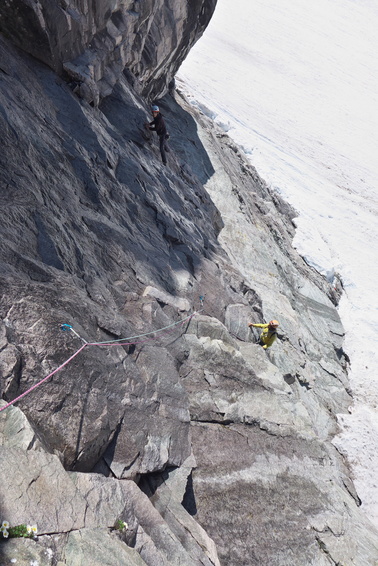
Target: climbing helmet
x,y
155,108
274,323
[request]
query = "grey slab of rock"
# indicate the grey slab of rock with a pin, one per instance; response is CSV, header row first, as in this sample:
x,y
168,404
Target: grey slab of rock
x,y
220,392
192,536
205,326
158,540
89,505
37,490
107,500
155,430
167,492
98,547
237,319
16,431
25,552
255,494
179,303
269,373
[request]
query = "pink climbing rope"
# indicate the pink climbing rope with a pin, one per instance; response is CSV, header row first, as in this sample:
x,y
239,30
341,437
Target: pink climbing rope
x,y
78,352
43,380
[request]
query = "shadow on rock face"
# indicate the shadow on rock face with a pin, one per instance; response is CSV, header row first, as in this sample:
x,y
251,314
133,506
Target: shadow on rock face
x,y
185,140
289,378
90,196
189,501
122,113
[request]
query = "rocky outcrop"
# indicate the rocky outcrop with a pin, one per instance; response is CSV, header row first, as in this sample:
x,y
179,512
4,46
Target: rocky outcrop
x,y
93,41
83,509
212,450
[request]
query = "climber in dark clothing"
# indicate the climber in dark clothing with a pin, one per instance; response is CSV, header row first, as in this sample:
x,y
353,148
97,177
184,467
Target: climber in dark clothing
x,y
158,125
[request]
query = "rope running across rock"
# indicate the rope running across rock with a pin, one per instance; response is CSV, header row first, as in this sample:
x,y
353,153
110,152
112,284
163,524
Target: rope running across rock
x,y
118,342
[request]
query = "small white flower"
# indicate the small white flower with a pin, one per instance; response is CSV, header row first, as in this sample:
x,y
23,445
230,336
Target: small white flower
x,y
14,560
5,533
125,526
34,529
28,528
5,525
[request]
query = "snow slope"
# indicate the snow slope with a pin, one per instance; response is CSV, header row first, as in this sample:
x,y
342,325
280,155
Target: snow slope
x,y
295,85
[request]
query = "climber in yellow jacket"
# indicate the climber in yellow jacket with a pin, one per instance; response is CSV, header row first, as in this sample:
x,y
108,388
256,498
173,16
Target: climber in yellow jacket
x,y
269,333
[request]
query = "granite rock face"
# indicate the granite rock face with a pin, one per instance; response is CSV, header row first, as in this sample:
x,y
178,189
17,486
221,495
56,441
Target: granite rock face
x,y
93,41
212,450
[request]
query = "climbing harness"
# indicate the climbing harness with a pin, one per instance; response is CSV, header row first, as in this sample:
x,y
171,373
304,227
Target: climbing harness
x,y
118,342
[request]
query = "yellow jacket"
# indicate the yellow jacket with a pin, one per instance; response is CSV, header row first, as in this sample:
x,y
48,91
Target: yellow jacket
x,y
267,336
